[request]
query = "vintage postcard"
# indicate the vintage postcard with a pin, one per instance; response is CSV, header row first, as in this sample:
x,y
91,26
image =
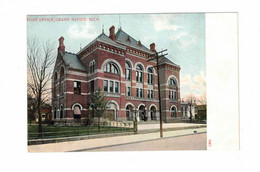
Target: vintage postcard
x,y
128,82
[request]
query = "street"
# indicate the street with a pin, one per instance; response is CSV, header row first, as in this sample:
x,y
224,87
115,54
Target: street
x,y
188,142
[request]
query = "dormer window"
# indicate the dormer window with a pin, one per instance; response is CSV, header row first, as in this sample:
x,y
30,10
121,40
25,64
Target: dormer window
x,y
139,43
128,39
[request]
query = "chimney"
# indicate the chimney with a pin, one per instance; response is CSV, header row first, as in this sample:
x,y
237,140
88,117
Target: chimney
x,y
61,45
152,47
112,34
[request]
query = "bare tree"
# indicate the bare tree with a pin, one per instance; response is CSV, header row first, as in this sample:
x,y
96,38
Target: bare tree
x,y
40,59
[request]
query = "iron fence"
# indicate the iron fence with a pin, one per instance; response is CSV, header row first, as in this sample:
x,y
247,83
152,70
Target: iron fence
x,y
73,133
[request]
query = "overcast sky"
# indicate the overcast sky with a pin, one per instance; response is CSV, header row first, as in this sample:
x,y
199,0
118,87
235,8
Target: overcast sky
x,y
182,34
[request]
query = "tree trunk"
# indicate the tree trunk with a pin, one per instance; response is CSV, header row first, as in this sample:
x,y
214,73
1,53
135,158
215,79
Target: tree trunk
x,y
39,115
98,124
190,114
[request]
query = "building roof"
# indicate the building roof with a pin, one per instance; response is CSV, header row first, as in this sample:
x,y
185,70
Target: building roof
x,y
121,37
105,39
72,61
121,40
164,60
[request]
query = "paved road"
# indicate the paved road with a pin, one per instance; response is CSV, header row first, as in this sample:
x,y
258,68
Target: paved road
x,y
188,142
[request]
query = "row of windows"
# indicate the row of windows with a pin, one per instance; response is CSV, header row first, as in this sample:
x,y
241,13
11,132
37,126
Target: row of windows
x,y
139,73
77,87
113,68
111,86
139,92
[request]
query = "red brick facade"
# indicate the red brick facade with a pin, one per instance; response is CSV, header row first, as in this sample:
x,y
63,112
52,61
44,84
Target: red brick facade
x,y
104,61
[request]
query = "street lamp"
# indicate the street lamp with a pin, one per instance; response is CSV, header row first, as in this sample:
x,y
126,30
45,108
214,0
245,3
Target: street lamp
x,y
135,121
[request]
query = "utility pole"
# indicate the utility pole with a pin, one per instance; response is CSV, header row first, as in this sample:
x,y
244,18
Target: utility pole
x,y
156,56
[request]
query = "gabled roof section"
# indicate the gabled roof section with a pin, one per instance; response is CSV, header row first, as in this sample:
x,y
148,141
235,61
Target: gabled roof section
x,y
73,62
104,39
165,60
126,39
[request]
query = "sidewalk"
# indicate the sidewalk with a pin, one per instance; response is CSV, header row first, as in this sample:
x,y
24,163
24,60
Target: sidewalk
x,y
169,126
109,141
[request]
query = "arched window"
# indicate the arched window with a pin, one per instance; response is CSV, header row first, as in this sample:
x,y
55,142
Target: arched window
x,y
77,112
150,75
111,68
127,71
173,89
172,82
139,73
92,67
55,113
55,77
61,111
54,91
173,111
61,72
129,112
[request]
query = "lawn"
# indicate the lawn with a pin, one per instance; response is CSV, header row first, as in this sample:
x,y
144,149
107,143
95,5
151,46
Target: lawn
x,y
69,131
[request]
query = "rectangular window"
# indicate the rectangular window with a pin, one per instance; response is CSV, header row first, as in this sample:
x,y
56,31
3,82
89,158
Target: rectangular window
x,y
175,95
106,85
111,87
148,93
108,67
137,92
152,94
141,92
77,87
137,76
151,79
149,82
129,91
117,87
169,94
92,86
172,95
128,74
140,77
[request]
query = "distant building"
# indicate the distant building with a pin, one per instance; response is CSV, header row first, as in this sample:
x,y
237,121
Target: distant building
x,y
118,65
186,109
201,112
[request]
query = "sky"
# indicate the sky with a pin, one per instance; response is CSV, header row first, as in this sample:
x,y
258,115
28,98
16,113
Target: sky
x,y
183,35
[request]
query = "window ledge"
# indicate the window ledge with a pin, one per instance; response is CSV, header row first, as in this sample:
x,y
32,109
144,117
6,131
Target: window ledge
x,y
109,94
173,101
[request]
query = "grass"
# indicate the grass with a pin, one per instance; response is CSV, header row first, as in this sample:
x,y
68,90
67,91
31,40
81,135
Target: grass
x,y
69,131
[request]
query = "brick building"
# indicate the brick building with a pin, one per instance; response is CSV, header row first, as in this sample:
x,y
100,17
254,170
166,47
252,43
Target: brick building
x,y
118,65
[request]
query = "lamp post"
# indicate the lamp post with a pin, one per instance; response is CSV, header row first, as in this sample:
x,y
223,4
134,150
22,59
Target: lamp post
x,y
156,57
135,121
